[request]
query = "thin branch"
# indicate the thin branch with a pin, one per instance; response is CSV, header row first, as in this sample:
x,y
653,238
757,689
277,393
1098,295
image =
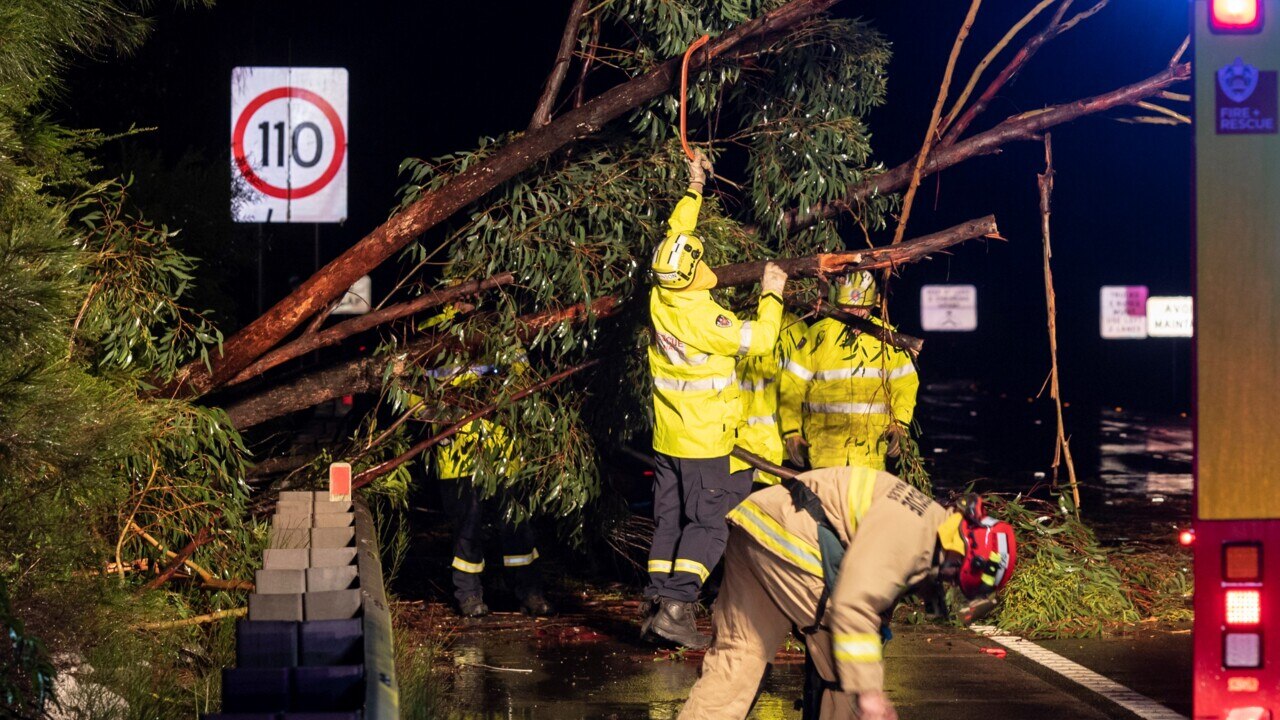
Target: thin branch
x,y
580,90
370,474
1173,114
1177,56
542,114
1081,17
368,321
1006,74
930,133
1061,447
202,538
986,62
197,620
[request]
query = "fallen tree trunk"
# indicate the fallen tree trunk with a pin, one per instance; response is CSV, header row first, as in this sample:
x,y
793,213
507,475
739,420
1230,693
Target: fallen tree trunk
x,y
902,341
365,375
433,207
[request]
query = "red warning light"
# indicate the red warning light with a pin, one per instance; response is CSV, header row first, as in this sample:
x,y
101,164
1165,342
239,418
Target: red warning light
x,y
1186,537
1235,16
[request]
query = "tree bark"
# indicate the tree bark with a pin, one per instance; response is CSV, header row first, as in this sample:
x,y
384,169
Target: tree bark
x,y
358,324
542,114
433,207
1026,126
364,375
902,341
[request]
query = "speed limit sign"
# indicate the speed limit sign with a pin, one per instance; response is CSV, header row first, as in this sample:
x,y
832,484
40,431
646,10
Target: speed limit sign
x,y
289,144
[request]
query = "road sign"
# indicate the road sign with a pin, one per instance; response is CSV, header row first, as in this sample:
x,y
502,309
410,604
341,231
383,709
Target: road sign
x,y
1170,316
289,144
1124,312
949,308
358,300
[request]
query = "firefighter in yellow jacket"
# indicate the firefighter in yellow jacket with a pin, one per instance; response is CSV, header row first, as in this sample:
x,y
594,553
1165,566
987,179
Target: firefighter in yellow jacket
x,y
890,539
846,396
758,378
456,461
697,408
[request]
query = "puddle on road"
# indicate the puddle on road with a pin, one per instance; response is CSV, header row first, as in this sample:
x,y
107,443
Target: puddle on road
x,y
578,673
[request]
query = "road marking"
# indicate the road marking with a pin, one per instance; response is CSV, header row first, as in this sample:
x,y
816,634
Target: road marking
x,y
1136,703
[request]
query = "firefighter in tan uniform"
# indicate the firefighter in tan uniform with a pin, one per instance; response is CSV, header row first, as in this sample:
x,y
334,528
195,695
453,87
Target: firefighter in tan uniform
x,y
846,396
778,574
696,412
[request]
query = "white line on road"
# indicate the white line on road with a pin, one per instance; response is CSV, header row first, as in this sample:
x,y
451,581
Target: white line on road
x,y
1136,703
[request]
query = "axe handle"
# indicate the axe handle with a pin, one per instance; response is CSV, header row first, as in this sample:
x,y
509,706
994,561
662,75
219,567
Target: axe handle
x,y
760,463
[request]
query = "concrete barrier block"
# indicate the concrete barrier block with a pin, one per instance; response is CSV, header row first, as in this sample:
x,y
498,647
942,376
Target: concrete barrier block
x,y
328,689
299,495
255,690
280,582
290,538
280,559
330,642
326,507
331,557
267,644
292,520
330,605
322,579
333,537
332,520
275,607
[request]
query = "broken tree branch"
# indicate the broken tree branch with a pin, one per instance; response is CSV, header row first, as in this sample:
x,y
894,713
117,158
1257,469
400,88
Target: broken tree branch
x,y
1061,448
434,206
542,114
370,474
902,341
368,321
364,375
197,620
202,538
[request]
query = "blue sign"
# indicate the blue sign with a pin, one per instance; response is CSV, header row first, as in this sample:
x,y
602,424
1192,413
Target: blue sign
x,y
1245,100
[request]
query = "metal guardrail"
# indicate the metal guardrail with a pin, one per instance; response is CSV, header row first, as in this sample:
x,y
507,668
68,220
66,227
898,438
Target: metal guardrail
x,y
318,635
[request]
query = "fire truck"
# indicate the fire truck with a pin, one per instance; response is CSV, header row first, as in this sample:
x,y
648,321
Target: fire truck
x,y
1237,348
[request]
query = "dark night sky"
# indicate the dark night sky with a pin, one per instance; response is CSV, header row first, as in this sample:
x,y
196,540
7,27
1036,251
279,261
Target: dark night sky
x,y
429,78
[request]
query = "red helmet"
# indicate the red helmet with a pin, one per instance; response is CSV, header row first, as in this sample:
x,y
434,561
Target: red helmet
x,y
990,550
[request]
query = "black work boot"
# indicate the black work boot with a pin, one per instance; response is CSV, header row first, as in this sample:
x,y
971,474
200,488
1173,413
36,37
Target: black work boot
x,y
647,610
674,622
536,605
473,606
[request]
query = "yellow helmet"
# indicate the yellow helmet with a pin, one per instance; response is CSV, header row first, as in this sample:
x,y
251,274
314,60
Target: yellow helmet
x,y
857,289
677,264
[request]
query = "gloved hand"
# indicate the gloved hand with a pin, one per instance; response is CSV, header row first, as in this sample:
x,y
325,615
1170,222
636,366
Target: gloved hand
x,y
875,706
699,168
798,450
894,435
774,280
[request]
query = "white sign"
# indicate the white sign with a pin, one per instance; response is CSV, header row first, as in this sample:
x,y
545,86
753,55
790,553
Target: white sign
x,y
1124,312
289,144
358,300
1170,316
949,308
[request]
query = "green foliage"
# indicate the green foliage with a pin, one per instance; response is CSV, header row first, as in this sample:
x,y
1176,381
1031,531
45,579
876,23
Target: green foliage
x,y
132,316
1064,585
582,224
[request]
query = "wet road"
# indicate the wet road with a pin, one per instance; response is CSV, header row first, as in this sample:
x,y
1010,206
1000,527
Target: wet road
x,y
931,673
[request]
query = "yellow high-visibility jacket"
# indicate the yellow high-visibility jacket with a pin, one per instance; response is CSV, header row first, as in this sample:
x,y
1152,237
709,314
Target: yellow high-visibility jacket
x,y
456,456
758,379
841,390
890,531
692,358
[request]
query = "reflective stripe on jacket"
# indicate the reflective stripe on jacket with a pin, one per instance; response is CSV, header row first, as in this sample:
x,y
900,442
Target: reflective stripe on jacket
x,y
692,356
758,380
841,390
890,530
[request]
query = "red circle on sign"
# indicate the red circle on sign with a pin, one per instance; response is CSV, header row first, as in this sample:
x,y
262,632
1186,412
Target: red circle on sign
x,y
339,143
